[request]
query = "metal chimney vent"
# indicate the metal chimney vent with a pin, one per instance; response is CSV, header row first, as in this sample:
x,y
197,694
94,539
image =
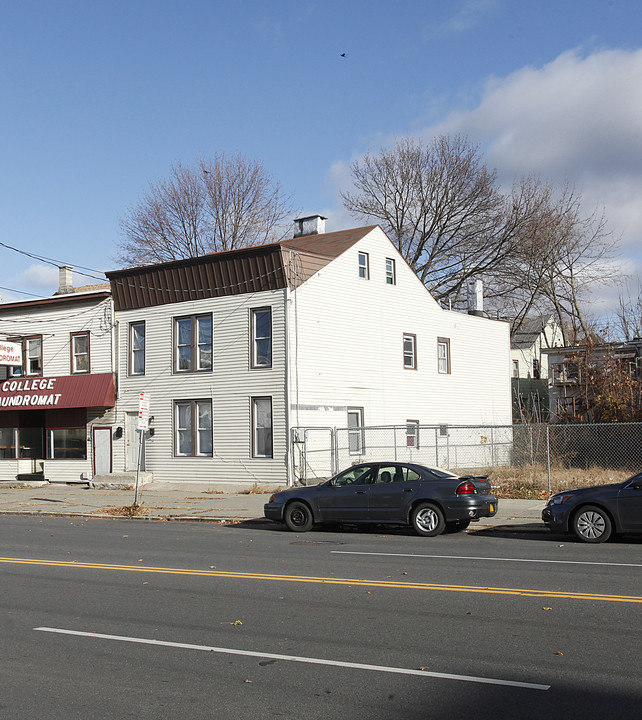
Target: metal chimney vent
x,y
310,225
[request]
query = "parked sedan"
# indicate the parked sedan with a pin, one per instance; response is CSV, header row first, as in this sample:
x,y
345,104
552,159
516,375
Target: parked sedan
x,y
594,513
427,499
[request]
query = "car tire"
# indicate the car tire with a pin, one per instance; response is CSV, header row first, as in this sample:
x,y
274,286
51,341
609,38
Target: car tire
x,y
591,524
298,517
456,526
428,520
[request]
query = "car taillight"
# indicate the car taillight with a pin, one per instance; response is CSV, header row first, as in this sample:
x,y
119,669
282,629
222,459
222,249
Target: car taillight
x,y
466,488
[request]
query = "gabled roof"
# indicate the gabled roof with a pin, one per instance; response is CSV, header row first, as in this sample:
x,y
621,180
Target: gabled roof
x,y
232,272
530,329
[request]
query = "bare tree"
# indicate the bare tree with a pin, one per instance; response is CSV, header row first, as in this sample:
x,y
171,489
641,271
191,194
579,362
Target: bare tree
x,y
629,313
224,203
441,205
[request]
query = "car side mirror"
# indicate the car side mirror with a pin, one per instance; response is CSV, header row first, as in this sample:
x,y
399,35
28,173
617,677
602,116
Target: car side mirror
x,y
638,484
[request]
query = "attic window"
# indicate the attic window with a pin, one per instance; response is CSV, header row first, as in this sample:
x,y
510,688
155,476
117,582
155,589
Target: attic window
x,y
391,275
364,266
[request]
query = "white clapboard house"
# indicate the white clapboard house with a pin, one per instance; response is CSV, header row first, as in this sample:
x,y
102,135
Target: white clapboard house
x,y
236,350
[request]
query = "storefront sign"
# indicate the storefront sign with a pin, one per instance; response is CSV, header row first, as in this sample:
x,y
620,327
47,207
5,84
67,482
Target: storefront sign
x,y
10,354
58,392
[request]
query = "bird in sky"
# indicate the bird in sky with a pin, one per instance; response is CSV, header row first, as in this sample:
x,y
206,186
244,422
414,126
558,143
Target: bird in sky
x,y
343,54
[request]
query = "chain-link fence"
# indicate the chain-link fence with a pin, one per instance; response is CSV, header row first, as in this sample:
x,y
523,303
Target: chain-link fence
x,y
544,457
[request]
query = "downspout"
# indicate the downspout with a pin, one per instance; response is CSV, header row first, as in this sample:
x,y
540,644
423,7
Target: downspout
x,y
286,369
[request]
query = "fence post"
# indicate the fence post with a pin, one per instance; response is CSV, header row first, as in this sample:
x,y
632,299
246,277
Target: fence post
x,y
548,455
395,441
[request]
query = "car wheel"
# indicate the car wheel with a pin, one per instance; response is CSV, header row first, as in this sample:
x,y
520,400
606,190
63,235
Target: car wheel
x,y
427,519
591,524
456,526
298,517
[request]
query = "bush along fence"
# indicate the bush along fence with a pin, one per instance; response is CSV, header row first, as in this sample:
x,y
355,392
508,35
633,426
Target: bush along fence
x,y
545,457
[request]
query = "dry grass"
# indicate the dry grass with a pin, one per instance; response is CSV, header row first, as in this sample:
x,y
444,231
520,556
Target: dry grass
x,y
531,481
257,489
125,510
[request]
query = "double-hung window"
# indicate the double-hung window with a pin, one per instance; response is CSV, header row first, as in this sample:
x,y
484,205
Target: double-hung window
x,y
262,427
33,356
391,274
261,350
137,348
193,343
410,352
355,431
79,353
443,355
364,266
193,428
412,433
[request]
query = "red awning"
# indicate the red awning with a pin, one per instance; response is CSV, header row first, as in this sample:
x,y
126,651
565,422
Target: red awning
x,y
67,391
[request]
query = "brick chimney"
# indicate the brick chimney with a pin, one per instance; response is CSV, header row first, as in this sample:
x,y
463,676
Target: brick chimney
x,y
310,225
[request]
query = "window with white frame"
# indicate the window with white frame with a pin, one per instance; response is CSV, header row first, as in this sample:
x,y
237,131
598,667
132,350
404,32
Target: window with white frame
x,y
79,353
391,273
137,348
193,343
261,337
443,355
410,351
193,428
355,431
32,355
262,436
412,433
364,266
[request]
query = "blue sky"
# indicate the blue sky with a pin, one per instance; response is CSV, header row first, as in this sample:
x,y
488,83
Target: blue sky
x,y
98,99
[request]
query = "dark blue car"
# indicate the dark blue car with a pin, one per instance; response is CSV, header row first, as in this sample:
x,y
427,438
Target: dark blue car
x,y
595,513
429,500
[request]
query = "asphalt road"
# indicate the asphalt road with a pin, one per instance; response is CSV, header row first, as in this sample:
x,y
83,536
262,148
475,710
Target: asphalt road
x,y
117,619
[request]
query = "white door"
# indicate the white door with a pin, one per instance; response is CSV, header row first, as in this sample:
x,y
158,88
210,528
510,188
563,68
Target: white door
x,y
133,444
102,450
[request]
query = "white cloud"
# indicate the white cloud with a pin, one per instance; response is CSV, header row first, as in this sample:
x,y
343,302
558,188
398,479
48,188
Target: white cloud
x,y
576,118
40,277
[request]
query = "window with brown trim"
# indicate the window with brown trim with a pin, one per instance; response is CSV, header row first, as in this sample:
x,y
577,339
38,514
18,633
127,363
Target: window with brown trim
x,y
79,347
443,355
31,357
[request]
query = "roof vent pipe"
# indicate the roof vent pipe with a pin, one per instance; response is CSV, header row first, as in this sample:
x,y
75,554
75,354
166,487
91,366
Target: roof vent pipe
x,y
475,291
310,225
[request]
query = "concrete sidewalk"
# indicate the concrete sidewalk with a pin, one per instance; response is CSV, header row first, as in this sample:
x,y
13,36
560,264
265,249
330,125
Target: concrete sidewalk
x,y
185,501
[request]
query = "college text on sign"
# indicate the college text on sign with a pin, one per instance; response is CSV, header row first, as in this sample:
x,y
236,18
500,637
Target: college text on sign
x,y
32,392
10,354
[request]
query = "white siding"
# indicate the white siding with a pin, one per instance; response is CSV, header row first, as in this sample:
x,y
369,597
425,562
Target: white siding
x,y
346,349
230,386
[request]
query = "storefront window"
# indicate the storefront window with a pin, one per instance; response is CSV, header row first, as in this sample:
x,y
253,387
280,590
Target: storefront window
x,y
67,444
31,442
7,443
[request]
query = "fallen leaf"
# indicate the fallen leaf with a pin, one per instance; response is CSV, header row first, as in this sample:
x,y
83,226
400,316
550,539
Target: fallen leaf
x,y
547,608
236,622
404,573
248,681
559,653
422,668
212,567
145,583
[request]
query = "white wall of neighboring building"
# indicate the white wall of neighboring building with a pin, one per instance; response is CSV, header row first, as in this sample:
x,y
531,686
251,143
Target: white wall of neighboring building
x,y
551,337
346,349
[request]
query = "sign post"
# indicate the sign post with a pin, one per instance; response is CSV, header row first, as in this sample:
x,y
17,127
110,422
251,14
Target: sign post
x,y
143,425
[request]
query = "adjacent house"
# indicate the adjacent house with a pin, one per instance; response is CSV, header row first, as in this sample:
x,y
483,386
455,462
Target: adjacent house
x,y
597,383
529,367
238,353
57,408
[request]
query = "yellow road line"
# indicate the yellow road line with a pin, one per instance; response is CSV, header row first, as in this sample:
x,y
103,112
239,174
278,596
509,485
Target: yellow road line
x,y
358,582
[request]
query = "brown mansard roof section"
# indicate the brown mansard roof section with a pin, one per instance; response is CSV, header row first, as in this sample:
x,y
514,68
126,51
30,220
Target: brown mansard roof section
x,y
255,269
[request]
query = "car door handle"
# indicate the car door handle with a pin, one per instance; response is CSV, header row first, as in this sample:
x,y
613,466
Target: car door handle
x,y
360,492
407,489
